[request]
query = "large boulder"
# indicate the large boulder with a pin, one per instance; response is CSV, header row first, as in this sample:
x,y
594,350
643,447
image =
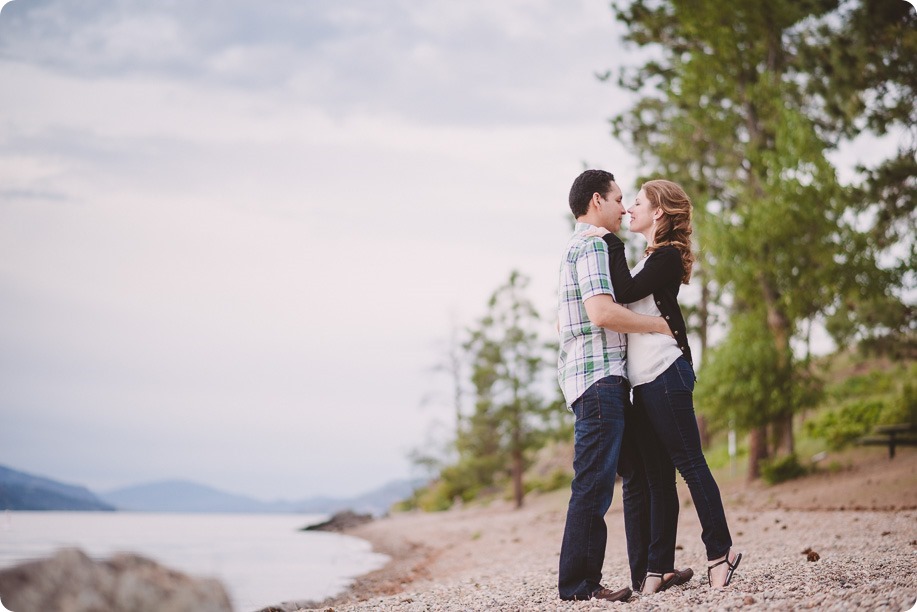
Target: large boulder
x,y
72,582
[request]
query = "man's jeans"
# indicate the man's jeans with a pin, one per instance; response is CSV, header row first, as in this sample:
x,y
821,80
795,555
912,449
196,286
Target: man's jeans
x,y
598,432
673,439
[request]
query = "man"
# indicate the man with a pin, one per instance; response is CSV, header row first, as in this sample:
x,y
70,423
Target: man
x,y
593,376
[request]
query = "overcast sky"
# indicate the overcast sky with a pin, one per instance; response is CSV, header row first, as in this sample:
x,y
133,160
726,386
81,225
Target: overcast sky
x,y
235,236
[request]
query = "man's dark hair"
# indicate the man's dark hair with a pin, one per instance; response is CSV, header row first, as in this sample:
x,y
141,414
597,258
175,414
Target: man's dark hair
x,y
586,184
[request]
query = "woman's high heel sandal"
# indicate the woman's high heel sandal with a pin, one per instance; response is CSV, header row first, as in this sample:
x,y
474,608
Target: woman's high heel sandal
x,y
651,575
732,565
677,578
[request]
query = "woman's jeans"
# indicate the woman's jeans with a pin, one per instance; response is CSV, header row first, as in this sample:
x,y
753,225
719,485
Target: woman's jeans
x,y
598,433
669,439
636,496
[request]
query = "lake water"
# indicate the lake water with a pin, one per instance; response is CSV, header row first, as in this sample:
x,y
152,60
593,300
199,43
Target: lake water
x,y
261,559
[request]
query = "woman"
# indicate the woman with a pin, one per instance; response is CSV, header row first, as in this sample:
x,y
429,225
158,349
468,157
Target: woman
x,y
662,375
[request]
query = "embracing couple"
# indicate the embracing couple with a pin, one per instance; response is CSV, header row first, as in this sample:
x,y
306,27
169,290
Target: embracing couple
x,y
605,350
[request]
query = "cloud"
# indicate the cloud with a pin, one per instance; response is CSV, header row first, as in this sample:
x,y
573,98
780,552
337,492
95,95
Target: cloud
x,y
433,62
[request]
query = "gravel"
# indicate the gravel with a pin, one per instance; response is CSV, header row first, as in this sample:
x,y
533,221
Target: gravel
x,y
858,568
500,558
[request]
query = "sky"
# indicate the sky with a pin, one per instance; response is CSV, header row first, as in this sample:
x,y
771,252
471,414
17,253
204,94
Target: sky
x,y
236,237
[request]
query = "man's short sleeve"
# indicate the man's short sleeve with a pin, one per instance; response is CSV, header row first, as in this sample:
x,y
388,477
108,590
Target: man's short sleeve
x,y
592,272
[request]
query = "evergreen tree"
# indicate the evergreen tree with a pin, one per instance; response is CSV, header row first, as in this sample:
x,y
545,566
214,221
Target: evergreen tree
x,y
507,361
724,110
506,370
862,77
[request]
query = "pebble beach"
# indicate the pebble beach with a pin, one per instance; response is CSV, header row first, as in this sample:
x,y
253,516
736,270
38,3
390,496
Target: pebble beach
x,y
837,541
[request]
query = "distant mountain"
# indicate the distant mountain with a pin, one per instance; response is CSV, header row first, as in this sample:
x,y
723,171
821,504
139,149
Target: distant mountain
x,y
21,491
184,496
376,502
379,501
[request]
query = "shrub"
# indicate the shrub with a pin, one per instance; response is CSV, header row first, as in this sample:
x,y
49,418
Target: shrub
x,y
435,498
558,479
865,385
781,469
903,408
841,427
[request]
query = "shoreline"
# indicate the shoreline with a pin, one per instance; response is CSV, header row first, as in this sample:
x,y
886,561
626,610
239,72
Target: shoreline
x,y
860,520
407,562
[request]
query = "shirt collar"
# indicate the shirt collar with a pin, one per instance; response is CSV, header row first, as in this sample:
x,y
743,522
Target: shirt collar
x,y
582,227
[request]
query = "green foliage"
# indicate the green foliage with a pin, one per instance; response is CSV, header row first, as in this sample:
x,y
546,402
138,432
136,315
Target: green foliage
x,y
781,469
740,379
510,416
879,397
909,403
863,76
869,384
743,382
842,427
558,479
729,108
432,498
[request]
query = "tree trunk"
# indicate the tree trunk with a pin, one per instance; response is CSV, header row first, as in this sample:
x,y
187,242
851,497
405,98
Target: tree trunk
x,y
757,450
518,491
702,430
703,311
779,326
782,438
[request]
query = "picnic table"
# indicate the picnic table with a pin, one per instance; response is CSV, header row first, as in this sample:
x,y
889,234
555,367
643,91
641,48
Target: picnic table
x,y
902,434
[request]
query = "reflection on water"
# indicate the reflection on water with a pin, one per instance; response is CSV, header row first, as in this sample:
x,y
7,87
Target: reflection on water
x,y
262,559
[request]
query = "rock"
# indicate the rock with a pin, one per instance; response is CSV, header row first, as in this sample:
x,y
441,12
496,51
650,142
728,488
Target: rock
x,y
812,556
72,582
341,521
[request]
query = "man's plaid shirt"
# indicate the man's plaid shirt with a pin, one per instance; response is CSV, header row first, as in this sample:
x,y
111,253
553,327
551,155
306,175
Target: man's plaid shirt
x,y
588,353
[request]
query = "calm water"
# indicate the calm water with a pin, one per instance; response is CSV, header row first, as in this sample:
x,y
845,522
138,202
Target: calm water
x,y
262,559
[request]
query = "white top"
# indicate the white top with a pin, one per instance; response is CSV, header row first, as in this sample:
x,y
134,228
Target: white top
x,y
648,355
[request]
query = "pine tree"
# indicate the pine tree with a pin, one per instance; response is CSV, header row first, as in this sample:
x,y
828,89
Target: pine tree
x,y
507,362
724,110
861,65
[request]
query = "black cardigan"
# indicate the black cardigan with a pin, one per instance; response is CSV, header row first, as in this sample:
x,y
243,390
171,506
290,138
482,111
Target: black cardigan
x,y
661,275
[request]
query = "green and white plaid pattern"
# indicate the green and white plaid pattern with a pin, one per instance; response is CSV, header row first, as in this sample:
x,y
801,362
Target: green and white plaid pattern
x,y
587,352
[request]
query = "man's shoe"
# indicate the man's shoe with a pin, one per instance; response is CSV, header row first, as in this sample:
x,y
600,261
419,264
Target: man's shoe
x,y
609,595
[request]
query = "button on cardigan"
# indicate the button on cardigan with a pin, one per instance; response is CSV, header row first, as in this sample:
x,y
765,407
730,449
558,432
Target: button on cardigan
x,y
661,276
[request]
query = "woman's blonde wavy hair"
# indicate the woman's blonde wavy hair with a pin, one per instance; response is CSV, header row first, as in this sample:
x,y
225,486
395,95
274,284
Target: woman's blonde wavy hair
x,y
674,226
